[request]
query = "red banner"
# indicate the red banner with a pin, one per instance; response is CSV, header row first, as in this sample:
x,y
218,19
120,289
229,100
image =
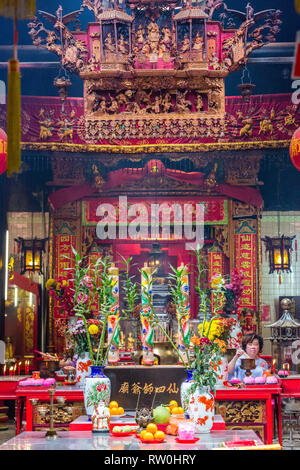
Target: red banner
x,y
246,261
215,209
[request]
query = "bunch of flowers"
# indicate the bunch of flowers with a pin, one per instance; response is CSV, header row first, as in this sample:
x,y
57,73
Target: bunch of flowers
x,y
218,328
75,334
233,291
78,337
62,290
207,359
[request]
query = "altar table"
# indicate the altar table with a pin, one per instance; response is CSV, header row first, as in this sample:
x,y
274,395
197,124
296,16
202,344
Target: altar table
x,y
86,440
242,409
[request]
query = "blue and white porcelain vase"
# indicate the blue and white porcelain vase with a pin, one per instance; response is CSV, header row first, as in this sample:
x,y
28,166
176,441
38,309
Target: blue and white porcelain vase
x,y
97,388
185,388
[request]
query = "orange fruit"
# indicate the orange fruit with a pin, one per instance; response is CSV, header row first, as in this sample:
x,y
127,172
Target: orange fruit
x,y
148,436
114,411
120,410
159,435
113,404
180,411
142,433
151,428
174,410
173,403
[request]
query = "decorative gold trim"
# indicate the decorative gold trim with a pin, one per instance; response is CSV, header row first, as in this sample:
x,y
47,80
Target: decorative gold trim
x,y
154,148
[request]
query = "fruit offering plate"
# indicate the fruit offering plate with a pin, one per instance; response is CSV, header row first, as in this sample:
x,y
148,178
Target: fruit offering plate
x,y
122,434
186,441
152,441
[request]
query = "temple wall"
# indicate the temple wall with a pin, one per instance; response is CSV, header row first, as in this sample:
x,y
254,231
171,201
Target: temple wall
x,y
290,286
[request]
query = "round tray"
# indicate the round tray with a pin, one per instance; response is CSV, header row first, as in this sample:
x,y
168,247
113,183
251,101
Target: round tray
x,y
154,441
122,434
184,441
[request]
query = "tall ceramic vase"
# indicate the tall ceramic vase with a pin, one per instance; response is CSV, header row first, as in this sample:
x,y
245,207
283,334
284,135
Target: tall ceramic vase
x,y
202,409
97,388
83,369
222,372
184,390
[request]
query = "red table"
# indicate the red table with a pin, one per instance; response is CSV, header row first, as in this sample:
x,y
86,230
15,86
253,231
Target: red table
x,y
8,386
24,394
248,395
268,394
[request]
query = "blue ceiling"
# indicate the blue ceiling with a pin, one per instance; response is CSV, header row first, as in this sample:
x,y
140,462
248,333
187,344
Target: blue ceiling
x,y
269,67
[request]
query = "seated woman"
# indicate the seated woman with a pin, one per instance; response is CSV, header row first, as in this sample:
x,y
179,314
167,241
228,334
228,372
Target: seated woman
x,y
252,344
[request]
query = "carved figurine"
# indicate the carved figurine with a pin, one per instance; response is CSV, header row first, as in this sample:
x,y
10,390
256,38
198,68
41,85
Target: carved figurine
x,y
122,45
199,103
182,104
140,34
166,35
198,44
114,107
108,43
214,61
185,44
166,103
153,36
100,418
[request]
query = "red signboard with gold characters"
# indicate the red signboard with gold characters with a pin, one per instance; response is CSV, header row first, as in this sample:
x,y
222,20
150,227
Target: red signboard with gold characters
x,y
63,251
246,262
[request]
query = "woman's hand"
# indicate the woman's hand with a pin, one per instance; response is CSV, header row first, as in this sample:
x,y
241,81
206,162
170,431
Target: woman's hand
x,y
239,353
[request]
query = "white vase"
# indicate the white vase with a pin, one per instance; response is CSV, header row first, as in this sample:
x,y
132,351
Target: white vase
x,y
97,388
235,340
83,369
185,388
202,409
222,372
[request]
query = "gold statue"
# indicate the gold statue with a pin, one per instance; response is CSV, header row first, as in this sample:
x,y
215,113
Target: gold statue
x,y
122,340
8,349
130,342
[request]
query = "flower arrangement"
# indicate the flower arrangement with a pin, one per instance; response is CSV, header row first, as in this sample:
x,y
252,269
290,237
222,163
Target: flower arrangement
x,y
62,289
75,334
218,328
84,285
233,291
207,359
89,282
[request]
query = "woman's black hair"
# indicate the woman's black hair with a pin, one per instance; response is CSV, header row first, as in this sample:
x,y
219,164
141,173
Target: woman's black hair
x,y
250,338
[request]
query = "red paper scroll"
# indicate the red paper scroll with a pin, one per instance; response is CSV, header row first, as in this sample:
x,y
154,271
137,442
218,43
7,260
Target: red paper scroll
x,y
246,261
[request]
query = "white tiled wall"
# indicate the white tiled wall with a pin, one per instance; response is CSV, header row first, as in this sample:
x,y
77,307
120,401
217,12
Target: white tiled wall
x,y
290,286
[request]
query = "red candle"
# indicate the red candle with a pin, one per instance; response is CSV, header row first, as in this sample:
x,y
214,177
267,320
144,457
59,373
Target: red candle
x,y
11,371
14,371
274,366
4,370
19,368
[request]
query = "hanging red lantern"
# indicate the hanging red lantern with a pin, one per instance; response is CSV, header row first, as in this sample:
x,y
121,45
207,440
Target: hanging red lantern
x,y
295,149
3,151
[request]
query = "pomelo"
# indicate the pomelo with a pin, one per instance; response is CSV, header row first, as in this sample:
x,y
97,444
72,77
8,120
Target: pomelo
x,y
161,415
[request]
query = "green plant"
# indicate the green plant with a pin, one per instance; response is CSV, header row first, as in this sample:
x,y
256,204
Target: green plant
x,y
129,287
207,357
153,319
91,281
